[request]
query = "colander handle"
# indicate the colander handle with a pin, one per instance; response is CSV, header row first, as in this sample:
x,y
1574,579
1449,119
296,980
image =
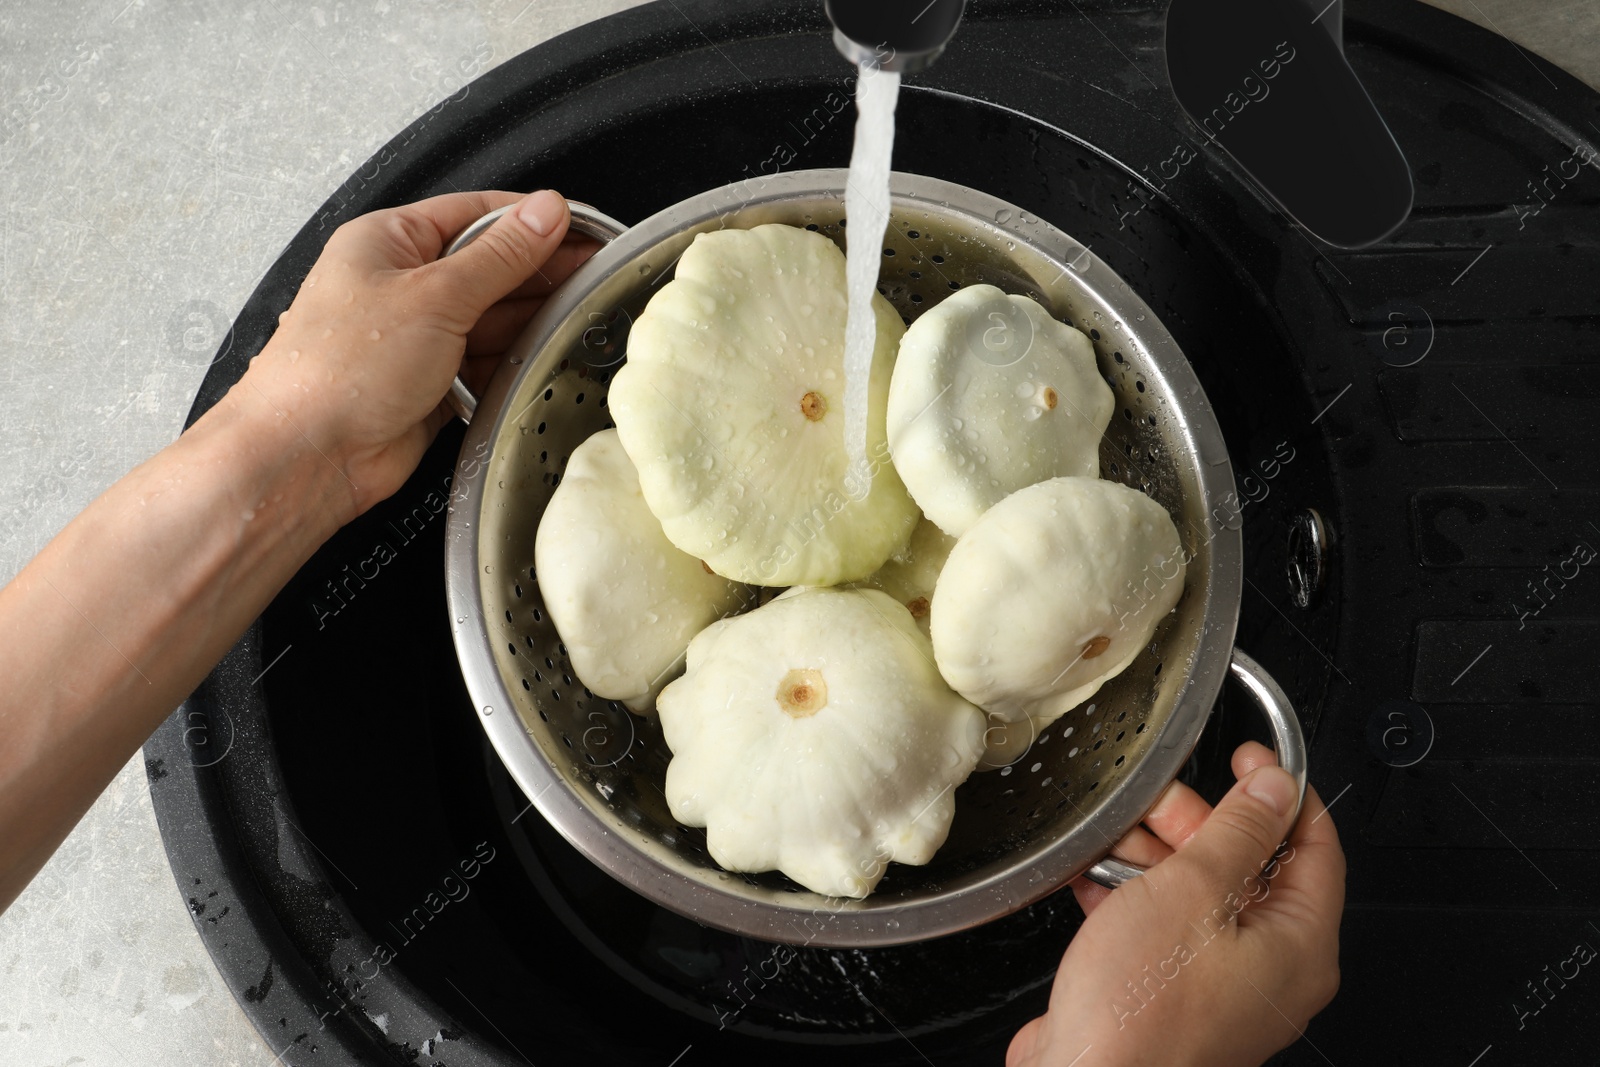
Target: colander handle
x,y
586,220
1287,741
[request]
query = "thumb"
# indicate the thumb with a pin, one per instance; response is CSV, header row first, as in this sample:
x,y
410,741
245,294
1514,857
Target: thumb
x,y
503,256
1245,829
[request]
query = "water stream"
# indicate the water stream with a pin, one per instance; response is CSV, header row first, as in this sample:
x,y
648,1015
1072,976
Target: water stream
x,y
866,208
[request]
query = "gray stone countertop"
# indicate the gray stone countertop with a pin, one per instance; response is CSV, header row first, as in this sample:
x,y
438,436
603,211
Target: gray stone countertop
x,y
155,158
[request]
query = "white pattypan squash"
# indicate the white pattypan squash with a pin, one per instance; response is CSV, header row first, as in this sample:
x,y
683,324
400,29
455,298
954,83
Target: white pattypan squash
x,y
731,405
911,576
623,599
1053,591
991,394
815,736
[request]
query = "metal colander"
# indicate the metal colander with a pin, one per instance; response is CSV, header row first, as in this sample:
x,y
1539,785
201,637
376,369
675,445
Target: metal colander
x,y
596,772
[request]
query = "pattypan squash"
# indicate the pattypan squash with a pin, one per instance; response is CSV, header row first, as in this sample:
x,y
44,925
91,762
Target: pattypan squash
x,y
624,600
731,404
911,576
1053,591
991,394
815,736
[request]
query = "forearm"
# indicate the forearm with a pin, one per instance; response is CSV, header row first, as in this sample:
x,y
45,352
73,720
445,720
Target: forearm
x,y
128,608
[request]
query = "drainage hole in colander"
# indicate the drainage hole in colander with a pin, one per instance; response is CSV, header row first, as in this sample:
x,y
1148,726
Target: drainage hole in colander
x,y
526,686
1093,787
1073,751
1121,715
1118,357
1097,744
955,285
1157,670
1119,761
549,663
544,457
543,716
508,617
1046,781
916,298
548,393
1127,413
1095,334
1139,386
539,428
538,616
565,677
556,693
889,252
1035,768
511,645
938,259
1140,730
1121,734
565,740
916,275
538,677
517,588
579,398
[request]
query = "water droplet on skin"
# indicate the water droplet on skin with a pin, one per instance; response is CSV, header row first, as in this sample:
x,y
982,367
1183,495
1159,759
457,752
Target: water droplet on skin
x,y
327,333
247,515
294,355
374,335
349,296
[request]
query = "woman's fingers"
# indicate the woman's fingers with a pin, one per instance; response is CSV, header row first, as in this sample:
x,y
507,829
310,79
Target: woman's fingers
x,y
1025,1043
1177,816
409,236
1250,755
502,258
501,325
572,253
1308,882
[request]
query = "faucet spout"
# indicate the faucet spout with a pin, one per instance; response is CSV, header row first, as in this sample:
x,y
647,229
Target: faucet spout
x,y
902,36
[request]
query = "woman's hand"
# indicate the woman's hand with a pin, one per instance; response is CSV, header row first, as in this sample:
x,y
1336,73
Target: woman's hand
x,y
362,359
125,611
1218,956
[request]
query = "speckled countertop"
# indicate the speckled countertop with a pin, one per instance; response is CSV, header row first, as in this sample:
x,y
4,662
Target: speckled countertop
x,y
154,159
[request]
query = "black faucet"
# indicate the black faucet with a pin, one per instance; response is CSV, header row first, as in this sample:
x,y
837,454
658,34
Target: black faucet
x,y
902,36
